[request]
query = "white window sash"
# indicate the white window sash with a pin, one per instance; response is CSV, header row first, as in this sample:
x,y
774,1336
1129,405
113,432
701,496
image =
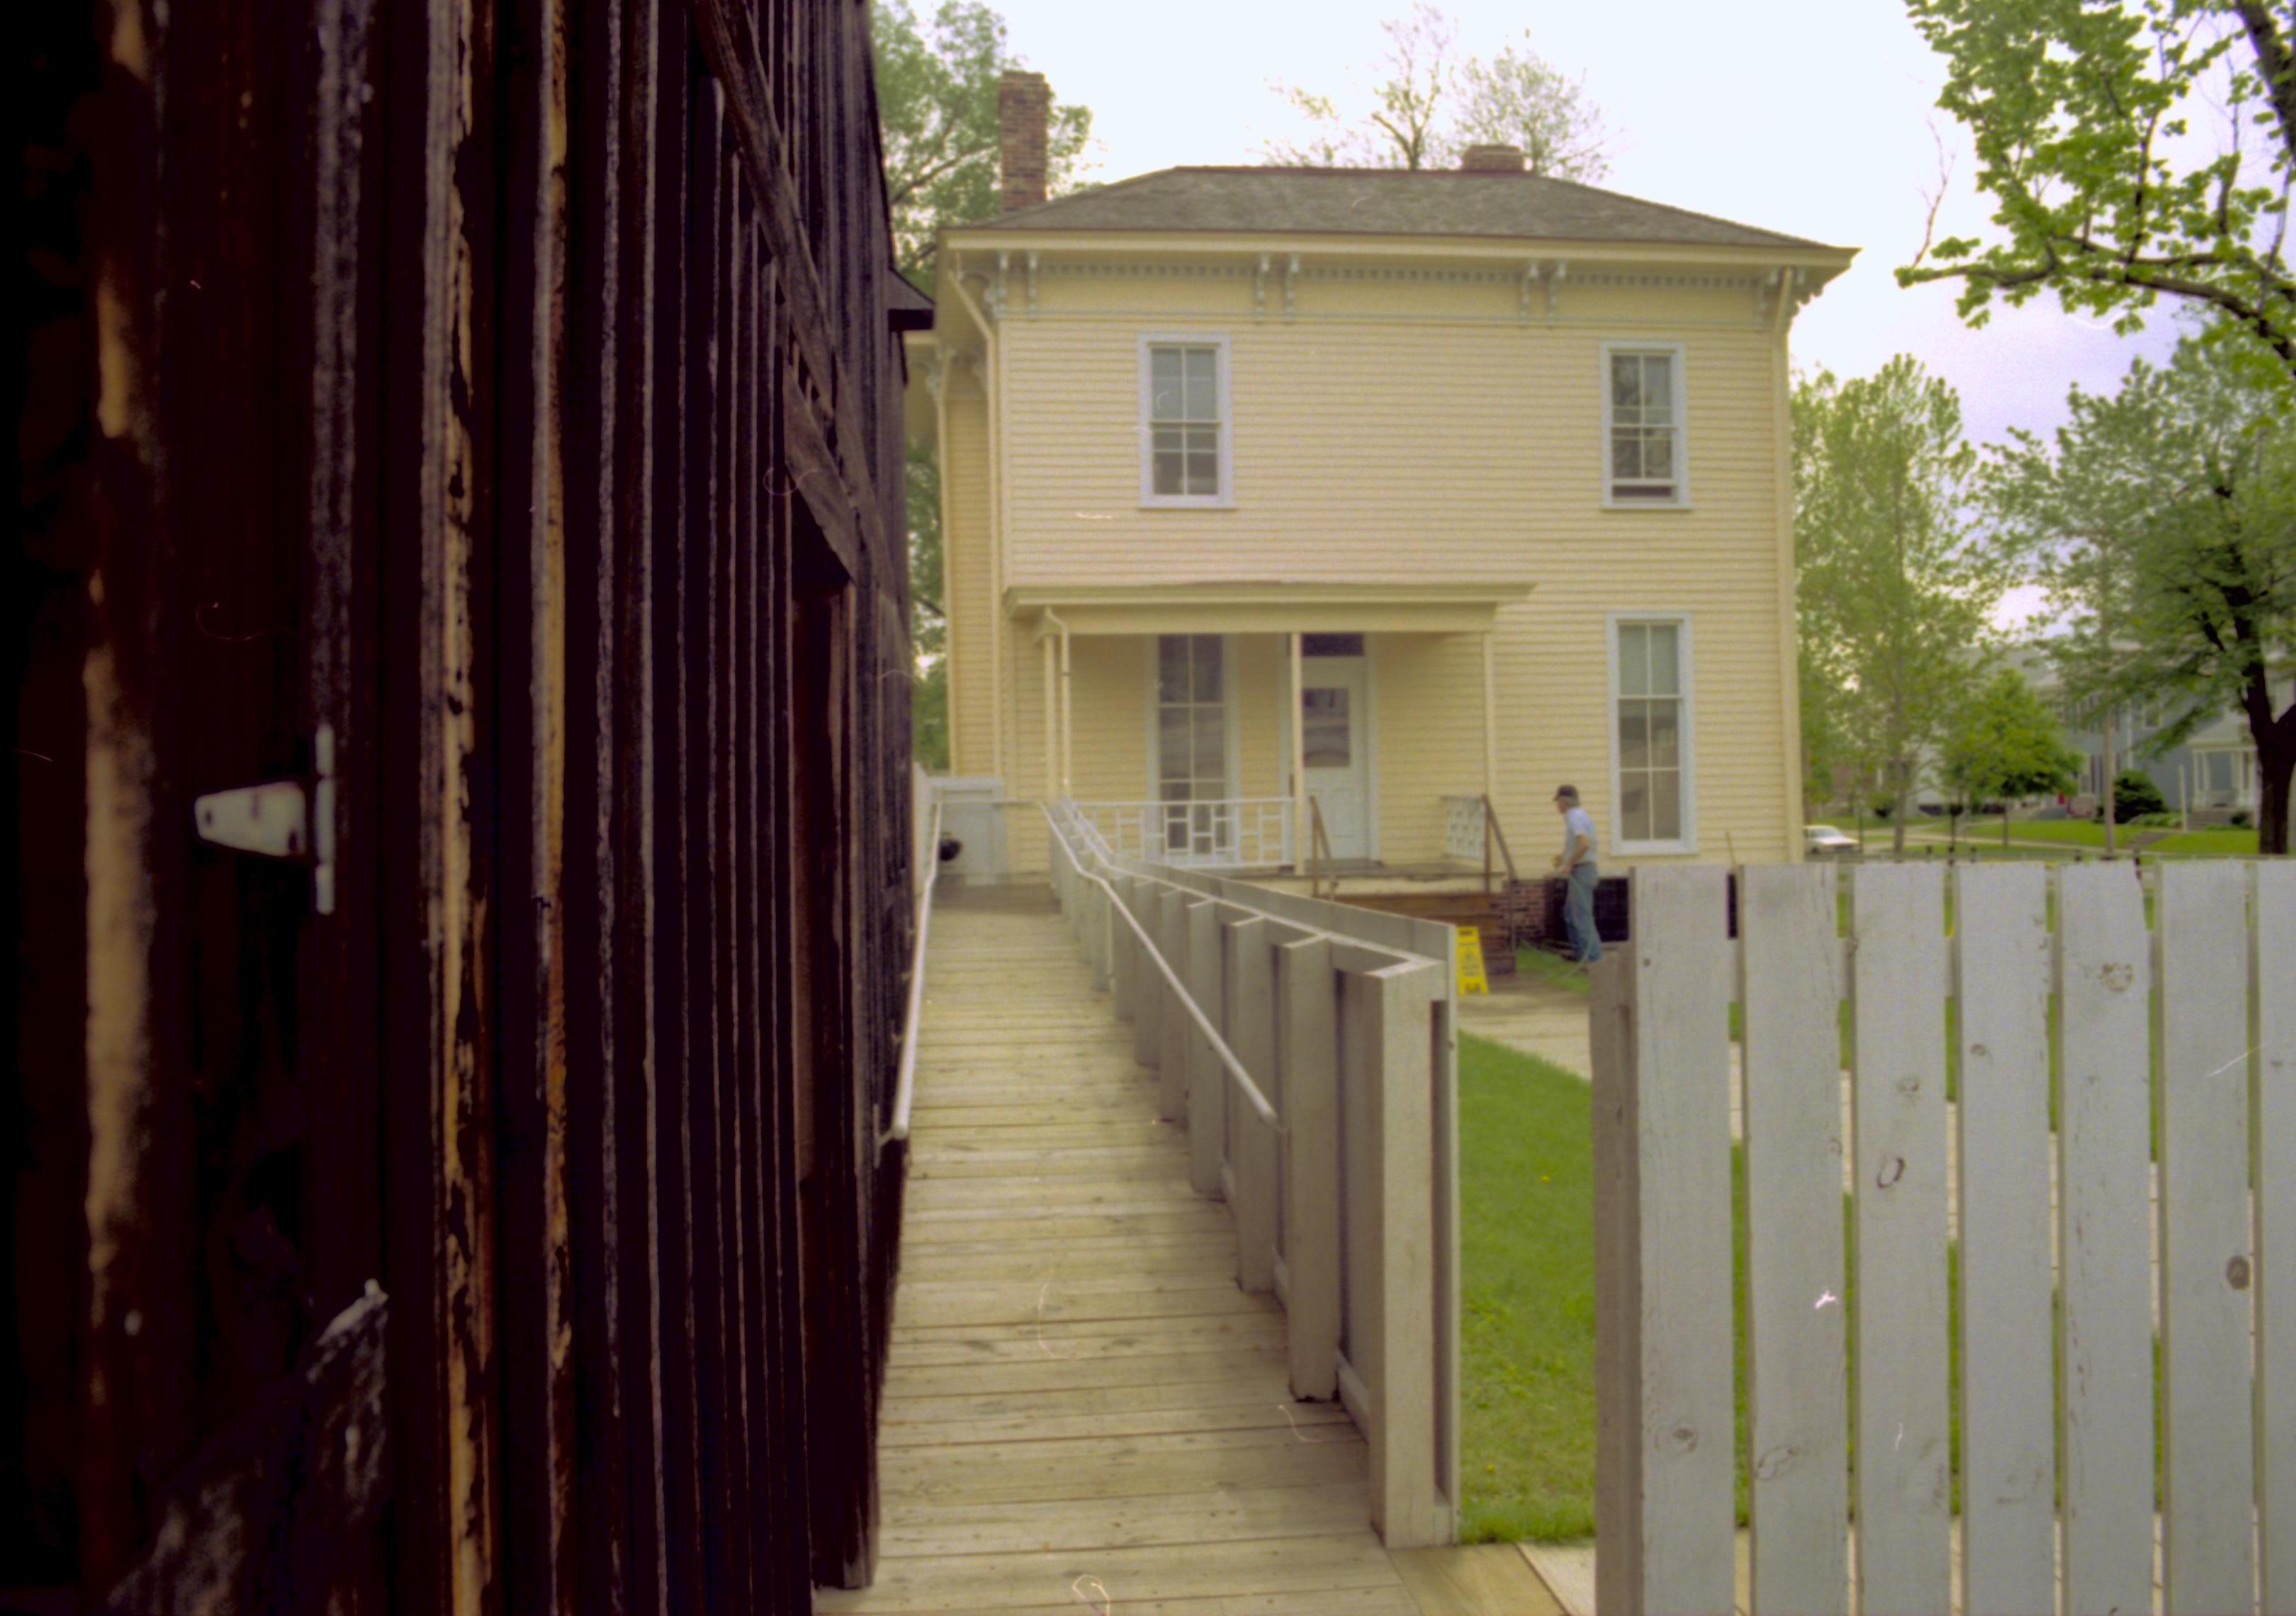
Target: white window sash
x,y
1222,422
1684,768
1675,427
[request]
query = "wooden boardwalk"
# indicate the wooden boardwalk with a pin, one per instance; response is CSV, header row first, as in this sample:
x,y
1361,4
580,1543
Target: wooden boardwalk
x,y
1082,1411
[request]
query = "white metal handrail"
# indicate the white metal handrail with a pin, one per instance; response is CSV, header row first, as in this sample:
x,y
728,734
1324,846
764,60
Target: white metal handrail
x,y
1236,1074
905,1086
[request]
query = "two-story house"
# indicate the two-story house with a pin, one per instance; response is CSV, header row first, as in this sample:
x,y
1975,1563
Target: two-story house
x,y
1275,498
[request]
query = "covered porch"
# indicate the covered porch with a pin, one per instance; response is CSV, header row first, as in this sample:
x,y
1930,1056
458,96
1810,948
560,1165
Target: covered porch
x,y
1269,728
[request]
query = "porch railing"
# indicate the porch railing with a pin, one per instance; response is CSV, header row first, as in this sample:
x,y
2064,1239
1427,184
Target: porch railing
x,y
1471,831
2090,1055
1222,833
1308,1049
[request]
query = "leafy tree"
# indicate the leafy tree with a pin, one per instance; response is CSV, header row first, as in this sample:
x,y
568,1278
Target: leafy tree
x,y
2133,151
1433,103
1894,593
937,111
937,114
2004,744
2162,523
928,613
2135,795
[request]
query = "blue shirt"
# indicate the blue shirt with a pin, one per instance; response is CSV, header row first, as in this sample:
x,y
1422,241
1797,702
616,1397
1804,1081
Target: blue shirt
x,y
1576,823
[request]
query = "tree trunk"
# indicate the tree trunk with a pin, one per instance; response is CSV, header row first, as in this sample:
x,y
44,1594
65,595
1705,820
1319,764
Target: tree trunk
x,y
1901,797
2111,775
2275,762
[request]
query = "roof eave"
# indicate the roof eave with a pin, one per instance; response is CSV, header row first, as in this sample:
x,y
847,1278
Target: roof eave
x,y
1811,255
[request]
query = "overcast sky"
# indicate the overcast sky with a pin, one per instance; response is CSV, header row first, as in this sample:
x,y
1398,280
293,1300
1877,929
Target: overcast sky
x,y
1812,117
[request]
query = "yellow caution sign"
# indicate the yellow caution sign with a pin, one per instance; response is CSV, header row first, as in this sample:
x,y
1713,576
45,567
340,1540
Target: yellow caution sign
x,y
1471,978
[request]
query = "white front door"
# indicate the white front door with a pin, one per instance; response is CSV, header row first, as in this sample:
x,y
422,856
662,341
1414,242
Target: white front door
x,y
1334,736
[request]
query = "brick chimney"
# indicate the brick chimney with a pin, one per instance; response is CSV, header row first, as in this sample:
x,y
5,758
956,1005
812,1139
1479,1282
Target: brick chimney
x,y
1023,101
1491,159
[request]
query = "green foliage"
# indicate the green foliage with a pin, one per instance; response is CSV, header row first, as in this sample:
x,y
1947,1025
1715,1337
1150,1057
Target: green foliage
x,y
1527,1298
937,115
937,112
2005,744
1432,104
2134,796
1894,593
2162,524
2133,151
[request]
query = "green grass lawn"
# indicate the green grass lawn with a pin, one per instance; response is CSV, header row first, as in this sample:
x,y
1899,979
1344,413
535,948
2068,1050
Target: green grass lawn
x,y
2080,835
1552,967
1526,1228
1527,1298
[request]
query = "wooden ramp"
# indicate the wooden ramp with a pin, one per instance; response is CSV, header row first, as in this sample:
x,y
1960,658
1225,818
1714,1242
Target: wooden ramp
x,y
1082,1411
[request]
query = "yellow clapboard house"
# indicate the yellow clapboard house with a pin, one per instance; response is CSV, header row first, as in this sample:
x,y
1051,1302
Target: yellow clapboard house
x,y
1290,510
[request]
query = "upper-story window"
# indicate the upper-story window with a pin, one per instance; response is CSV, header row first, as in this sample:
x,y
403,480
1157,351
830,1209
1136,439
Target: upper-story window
x,y
1642,426
1184,421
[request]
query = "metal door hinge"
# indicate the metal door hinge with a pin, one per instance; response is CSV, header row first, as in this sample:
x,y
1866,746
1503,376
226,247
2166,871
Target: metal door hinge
x,y
278,819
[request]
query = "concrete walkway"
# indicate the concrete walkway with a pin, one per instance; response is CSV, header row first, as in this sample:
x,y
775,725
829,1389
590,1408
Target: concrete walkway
x,y
1534,1015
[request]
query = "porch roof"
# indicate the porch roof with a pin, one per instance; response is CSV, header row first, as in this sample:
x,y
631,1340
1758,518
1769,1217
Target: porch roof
x,y
1266,608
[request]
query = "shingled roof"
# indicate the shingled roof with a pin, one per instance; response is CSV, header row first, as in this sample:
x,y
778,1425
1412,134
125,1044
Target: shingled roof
x,y
1383,201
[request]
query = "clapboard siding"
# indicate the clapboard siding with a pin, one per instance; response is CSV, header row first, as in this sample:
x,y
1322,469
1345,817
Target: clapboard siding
x,y
1377,452
1403,428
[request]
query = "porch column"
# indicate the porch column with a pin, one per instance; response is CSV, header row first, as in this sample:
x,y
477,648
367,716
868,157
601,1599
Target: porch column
x,y
1490,727
1068,730
1301,846
1052,727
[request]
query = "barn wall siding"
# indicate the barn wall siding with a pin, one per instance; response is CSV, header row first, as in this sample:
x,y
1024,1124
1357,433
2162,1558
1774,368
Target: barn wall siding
x,y
493,425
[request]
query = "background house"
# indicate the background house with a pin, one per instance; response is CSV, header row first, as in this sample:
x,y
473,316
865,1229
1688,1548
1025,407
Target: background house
x,y
1482,475
2212,771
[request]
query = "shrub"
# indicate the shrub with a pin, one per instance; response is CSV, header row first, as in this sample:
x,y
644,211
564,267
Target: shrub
x,y
2242,819
2134,796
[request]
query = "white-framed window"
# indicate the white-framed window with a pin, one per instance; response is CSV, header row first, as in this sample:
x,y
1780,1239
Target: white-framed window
x,y
1652,778
1191,743
1185,434
1645,452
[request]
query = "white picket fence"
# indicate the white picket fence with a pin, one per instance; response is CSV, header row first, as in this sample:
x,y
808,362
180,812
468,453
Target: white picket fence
x,y
1307,1048
2186,1028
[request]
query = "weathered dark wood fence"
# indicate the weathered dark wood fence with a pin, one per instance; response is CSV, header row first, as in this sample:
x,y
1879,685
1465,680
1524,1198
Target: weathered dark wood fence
x,y
488,417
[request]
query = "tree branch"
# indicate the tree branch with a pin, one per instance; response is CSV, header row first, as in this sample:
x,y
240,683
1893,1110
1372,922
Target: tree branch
x,y
2276,61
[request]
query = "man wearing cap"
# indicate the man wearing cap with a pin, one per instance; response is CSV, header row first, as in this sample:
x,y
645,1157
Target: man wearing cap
x,y
1577,862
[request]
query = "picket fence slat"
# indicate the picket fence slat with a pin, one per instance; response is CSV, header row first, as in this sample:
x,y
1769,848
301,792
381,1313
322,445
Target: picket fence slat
x,y
2273,980
1208,1083
2116,1168
1306,1044
1904,1561
2208,1484
1795,1281
2008,1434
1250,1019
1176,1033
2104,1234
1664,1484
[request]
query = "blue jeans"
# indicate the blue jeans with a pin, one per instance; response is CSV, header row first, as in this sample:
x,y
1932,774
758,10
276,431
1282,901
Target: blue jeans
x,y
1579,914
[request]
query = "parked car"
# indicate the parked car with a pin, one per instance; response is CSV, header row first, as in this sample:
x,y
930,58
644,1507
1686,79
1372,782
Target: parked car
x,y
1825,841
